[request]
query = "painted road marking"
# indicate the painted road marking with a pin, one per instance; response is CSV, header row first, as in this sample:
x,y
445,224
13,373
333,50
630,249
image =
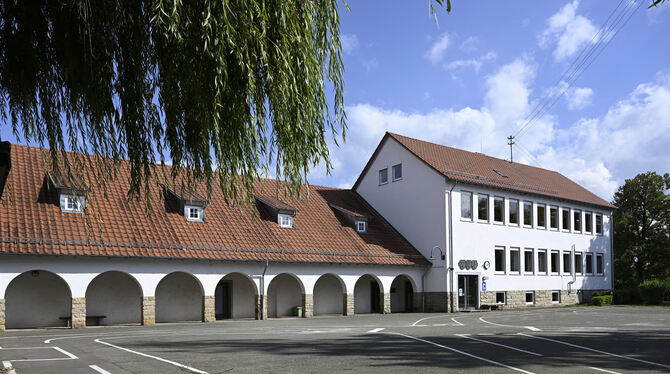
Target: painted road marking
x,y
439,324
531,328
466,336
69,355
493,323
177,364
595,350
458,323
99,369
376,330
604,371
423,319
462,353
8,367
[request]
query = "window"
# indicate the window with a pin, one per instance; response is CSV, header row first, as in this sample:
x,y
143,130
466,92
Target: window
x,y
285,220
499,209
483,207
383,176
528,265
397,172
555,296
541,216
500,259
466,205
599,224
514,265
553,218
577,221
73,204
361,226
194,214
554,262
589,263
500,173
542,261
501,298
600,265
527,214
566,263
588,221
578,263
565,213
530,297
514,212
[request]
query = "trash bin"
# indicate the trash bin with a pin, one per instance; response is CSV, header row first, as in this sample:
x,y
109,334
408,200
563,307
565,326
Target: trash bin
x,y
297,311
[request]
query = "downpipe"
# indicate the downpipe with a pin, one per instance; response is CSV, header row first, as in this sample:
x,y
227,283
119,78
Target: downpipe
x,y
573,272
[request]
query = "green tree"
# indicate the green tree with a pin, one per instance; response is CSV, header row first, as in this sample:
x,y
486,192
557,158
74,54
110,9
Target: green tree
x,y
232,86
641,229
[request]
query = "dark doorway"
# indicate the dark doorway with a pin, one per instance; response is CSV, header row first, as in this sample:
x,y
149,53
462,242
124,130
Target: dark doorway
x,y
225,301
375,297
468,285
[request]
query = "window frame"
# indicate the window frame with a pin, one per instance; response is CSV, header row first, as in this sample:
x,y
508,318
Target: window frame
x,y
595,224
486,207
579,263
73,203
558,297
365,227
502,213
588,262
515,203
470,194
555,208
385,172
518,260
546,268
532,261
588,222
525,224
538,215
577,216
495,260
532,297
393,172
557,263
565,210
601,271
289,222
504,296
568,262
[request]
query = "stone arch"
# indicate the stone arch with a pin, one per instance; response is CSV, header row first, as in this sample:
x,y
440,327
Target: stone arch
x,y
368,295
37,298
116,295
235,297
329,295
179,297
402,294
285,292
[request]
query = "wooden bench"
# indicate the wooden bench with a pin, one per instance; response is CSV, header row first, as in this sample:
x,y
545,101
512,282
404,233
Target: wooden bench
x,y
68,320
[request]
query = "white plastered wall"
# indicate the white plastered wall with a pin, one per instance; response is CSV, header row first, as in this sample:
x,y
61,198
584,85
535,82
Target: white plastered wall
x,y
178,298
115,295
328,295
284,293
37,299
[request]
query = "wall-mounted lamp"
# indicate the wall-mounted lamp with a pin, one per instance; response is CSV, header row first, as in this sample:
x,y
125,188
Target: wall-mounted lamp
x,y
442,256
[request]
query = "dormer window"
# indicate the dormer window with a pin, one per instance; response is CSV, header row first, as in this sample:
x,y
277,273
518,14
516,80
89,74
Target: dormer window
x,y
71,192
191,203
361,227
193,213
285,221
72,203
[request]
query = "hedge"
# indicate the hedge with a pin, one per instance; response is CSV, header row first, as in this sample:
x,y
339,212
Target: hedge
x,y
601,300
627,296
652,291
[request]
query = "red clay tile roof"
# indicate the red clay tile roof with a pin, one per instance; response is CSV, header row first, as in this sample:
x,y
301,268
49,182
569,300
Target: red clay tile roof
x,y
31,222
477,168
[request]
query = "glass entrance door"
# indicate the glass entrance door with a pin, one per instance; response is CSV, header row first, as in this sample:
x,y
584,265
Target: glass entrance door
x,y
468,285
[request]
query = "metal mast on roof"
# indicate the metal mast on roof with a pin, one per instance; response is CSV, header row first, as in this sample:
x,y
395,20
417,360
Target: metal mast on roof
x,y
511,143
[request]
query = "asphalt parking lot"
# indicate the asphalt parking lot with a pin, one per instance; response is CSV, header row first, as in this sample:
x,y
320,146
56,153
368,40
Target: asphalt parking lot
x,y
565,340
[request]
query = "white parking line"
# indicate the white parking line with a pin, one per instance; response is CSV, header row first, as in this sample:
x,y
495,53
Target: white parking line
x,y
466,336
99,369
462,353
454,319
595,350
8,367
604,371
531,328
69,355
153,357
376,330
423,319
493,323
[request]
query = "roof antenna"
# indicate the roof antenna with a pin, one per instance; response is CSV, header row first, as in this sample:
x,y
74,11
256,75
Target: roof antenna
x,y
511,143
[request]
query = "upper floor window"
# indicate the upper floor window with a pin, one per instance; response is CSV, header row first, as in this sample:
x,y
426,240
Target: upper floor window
x,y
599,224
361,226
72,203
498,209
466,205
565,213
553,217
285,220
577,221
528,265
566,263
555,262
578,263
384,176
527,214
514,212
514,260
589,263
542,261
541,216
483,207
397,172
193,213
600,264
588,221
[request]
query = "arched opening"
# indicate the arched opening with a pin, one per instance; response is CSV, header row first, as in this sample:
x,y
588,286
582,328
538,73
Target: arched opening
x,y
402,295
37,298
235,297
179,297
115,295
329,295
284,294
367,295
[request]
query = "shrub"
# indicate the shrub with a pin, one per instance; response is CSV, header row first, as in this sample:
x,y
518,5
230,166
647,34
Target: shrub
x,y
601,300
627,296
652,291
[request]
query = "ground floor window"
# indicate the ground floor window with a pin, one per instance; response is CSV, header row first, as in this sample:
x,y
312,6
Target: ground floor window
x,y
500,298
555,296
530,297
566,263
589,263
500,259
542,261
554,262
600,264
514,265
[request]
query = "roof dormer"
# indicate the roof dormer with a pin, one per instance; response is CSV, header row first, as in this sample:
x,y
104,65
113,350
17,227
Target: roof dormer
x,y
191,204
358,220
71,192
284,213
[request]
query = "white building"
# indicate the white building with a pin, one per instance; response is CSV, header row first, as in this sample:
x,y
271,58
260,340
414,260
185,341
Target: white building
x,y
498,233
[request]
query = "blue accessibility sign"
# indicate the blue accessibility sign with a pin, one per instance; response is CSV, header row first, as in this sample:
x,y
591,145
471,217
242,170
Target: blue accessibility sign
x,y
483,286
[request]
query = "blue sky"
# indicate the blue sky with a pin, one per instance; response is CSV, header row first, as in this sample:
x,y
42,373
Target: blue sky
x,y
472,80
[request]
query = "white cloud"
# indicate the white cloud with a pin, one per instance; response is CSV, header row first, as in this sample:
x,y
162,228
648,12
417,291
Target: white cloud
x,y
579,97
567,31
472,63
439,48
349,43
469,44
370,65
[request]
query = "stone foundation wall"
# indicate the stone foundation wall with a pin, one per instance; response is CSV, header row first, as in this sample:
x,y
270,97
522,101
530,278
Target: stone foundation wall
x,y
258,313
78,312
307,305
208,309
264,306
348,304
386,303
2,315
148,310
516,299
